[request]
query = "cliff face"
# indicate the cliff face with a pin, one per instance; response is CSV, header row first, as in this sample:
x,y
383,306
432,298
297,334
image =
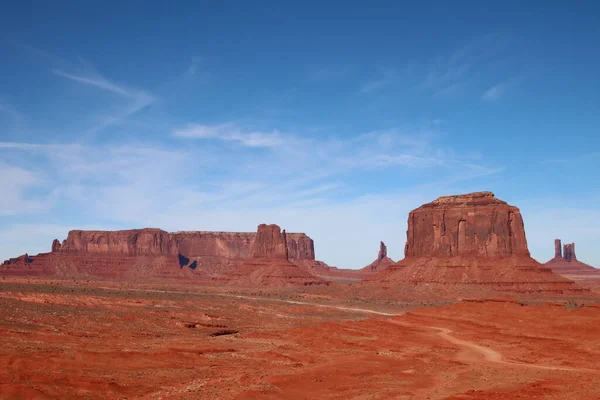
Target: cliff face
x,y
269,263
149,241
270,242
230,245
476,224
153,253
128,243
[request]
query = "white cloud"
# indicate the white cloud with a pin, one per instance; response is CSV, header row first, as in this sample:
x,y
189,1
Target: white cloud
x,y
15,183
103,83
497,91
230,132
494,93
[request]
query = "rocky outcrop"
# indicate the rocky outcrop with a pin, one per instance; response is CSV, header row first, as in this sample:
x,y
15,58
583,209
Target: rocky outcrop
x,y
269,263
24,259
569,252
557,249
566,264
382,251
475,224
381,263
270,242
472,240
56,246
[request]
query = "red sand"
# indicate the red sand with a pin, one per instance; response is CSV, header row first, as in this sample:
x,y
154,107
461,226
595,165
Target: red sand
x,y
99,340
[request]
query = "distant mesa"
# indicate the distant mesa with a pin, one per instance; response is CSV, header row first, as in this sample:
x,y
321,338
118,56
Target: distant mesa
x,y
154,254
566,264
474,240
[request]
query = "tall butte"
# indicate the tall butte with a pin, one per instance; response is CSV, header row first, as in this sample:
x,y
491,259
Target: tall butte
x,y
566,264
470,242
269,263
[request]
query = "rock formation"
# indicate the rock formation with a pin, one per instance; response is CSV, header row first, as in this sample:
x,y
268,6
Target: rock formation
x,y
24,259
569,252
152,253
148,241
269,263
474,240
476,224
557,249
381,263
566,264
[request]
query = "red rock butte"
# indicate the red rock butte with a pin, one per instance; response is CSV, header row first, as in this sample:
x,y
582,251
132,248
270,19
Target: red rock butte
x,y
472,239
269,263
565,263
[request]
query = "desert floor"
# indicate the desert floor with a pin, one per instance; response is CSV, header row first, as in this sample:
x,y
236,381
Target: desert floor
x,y
71,339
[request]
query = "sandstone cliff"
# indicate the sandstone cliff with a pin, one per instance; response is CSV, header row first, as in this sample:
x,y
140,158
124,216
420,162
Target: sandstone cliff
x,y
232,245
132,242
476,224
152,253
269,263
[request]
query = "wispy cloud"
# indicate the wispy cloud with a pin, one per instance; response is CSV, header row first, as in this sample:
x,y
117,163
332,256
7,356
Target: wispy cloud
x,y
498,90
98,82
16,182
446,75
197,68
230,132
139,99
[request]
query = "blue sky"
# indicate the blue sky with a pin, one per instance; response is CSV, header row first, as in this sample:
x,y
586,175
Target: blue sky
x,y
335,119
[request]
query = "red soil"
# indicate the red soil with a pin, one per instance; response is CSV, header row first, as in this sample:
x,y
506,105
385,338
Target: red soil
x,y
109,341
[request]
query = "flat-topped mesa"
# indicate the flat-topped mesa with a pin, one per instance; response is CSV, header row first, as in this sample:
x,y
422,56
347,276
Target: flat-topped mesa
x,y
149,241
119,254
134,242
466,244
475,224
